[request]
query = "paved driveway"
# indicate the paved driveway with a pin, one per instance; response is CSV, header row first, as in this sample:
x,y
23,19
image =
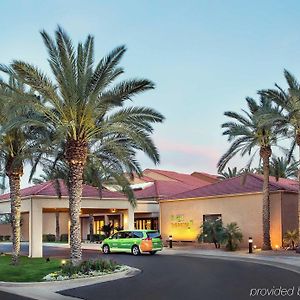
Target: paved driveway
x,y
166,277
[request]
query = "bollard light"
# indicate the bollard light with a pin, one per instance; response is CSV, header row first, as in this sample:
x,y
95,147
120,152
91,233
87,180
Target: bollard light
x,y
250,244
170,241
63,262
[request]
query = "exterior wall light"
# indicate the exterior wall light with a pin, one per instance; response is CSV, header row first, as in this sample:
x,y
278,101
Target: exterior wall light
x,y
170,241
250,240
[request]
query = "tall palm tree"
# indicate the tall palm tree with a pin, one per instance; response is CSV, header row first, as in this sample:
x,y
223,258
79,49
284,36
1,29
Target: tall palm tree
x,y
17,145
289,101
80,107
247,132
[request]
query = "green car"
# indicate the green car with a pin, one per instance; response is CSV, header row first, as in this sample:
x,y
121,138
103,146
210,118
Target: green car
x,y
133,241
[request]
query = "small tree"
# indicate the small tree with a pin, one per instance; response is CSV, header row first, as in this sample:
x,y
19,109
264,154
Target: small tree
x,y
291,238
211,232
232,236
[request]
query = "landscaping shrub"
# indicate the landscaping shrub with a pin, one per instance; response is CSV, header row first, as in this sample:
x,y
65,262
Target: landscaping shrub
x,y
215,232
211,232
87,266
97,237
291,239
1,238
7,238
64,237
48,237
232,236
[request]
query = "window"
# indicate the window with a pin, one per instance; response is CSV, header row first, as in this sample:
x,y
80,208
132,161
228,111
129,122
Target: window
x,y
138,234
213,217
154,235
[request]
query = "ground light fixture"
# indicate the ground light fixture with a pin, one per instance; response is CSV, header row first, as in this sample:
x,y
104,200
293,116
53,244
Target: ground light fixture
x,y
63,262
250,240
170,241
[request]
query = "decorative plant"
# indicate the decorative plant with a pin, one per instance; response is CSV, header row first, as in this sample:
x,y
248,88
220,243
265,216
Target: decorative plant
x,y
211,232
232,236
291,238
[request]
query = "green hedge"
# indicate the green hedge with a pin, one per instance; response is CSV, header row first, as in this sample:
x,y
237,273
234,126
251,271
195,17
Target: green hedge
x,y
48,237
97,237
64,237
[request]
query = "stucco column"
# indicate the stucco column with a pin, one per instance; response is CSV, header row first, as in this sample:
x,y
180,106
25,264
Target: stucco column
x,y
106,220
35,230
129,219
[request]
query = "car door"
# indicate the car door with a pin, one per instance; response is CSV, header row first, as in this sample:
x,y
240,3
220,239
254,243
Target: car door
x,y
125,241
113,243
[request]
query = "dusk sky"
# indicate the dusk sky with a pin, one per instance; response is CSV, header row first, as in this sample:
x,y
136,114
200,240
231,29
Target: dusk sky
x,y
205,57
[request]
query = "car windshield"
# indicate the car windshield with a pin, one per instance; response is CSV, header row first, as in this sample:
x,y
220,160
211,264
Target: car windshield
x,y
153,234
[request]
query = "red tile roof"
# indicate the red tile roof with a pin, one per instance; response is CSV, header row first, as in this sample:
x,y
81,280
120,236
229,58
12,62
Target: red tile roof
x,y
238,185
48,189
161,188
181,177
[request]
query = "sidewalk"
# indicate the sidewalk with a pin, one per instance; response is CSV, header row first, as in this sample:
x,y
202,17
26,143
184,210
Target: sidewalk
x,y
282,259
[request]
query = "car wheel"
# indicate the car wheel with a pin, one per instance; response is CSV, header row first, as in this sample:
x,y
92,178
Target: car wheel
x,y
105,249
135,250
152,252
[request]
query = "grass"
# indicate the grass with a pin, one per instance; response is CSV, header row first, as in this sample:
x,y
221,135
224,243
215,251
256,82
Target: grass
x,y
28,269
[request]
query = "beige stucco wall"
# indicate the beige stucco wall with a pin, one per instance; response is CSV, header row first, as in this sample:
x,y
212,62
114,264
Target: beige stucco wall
x,y
244,209
5,229
289,211
49,223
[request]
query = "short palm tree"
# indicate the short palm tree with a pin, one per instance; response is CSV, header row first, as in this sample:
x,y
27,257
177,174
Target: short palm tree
x,y
232,236
81,105
291,238
247,132
17,145
289,101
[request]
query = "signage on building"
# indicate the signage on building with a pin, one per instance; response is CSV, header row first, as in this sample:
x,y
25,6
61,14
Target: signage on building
x,y
178,221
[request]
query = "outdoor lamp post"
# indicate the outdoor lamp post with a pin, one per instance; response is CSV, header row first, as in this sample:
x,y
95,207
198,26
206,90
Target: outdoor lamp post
x,y
170,241
250,244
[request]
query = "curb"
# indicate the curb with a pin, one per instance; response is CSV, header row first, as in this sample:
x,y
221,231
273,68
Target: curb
x,y
128,272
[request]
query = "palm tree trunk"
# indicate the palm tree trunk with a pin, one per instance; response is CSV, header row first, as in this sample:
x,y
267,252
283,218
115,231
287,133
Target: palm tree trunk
x,y
265,153
15,196
75,178
76,154
57,228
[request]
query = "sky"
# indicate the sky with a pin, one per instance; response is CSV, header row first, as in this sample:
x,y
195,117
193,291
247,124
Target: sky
x,y
205,57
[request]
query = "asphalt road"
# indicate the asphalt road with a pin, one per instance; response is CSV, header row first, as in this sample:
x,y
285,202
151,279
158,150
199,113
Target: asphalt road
x,y
166,277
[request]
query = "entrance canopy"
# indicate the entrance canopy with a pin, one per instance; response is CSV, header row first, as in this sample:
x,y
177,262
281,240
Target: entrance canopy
x,y
42,198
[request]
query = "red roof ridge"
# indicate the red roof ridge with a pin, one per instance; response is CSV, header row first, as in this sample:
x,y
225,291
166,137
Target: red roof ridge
x,y
44,185
162,172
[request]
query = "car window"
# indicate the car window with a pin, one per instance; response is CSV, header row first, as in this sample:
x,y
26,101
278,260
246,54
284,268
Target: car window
x,y
138,234
114,236
123,235
153,234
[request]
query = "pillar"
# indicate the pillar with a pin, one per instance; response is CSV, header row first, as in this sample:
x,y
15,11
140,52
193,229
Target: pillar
x,y
35,230
129,219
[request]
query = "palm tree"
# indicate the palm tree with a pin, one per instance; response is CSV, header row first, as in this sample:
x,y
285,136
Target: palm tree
x,y
283,167
247,133
17,145
232,236
291,238
289,101
80,107
231,173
